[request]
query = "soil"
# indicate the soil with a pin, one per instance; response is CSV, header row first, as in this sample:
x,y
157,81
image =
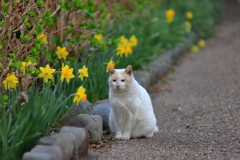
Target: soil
x,y
197,106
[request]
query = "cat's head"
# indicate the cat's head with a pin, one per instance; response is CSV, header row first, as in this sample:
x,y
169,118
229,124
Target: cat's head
x,y
120,79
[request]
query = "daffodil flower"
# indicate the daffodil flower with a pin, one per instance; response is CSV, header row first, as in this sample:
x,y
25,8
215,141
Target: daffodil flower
x,y
194,49
11,81
43,37
120,50
111,64
27,65
170,15
188,26
61,52
80,95
189,15
47,73
201,43
83,72
66,73
123,40
99,37
133,41
128,50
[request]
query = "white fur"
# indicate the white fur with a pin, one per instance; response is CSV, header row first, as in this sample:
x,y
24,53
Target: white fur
x,y
131,108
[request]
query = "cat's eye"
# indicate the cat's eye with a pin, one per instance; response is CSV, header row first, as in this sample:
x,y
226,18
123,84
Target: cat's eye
x,y
123,80
114,80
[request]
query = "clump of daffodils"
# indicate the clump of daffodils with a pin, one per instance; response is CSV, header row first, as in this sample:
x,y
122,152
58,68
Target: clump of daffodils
x,y
125,45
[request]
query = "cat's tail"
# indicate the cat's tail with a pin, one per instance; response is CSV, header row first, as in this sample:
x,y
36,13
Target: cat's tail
x,y
155,129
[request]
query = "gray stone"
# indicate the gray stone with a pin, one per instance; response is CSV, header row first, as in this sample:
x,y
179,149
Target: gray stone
x,y
143,78
182,48
89,123
166,59
79,137
172,54
99,121
42,152
60,140
82,108
164,69
37,156
176,53
102,108
156,72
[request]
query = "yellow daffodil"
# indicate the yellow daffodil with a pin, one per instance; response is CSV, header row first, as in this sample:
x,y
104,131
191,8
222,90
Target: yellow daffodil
x,y
43,37
123,40
99,37
11,81
125,45
189,15
111,64
83,72
170,15
188,26
27,65
66,73
194,49
201,43
61,52
120,50
80,95
47,73
128,50
133,41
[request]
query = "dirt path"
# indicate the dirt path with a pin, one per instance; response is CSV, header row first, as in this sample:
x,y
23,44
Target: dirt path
x,y
200,117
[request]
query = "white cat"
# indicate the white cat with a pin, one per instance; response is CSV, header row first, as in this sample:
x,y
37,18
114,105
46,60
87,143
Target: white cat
x,y
131,114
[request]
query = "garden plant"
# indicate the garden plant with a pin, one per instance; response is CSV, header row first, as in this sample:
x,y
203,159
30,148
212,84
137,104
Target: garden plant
x,y
54,53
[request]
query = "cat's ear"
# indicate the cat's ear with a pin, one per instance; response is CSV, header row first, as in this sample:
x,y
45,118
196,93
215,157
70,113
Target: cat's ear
x,y
111,70
129,70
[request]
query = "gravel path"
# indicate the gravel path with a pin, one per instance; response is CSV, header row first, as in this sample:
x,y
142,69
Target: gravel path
x,y
198,107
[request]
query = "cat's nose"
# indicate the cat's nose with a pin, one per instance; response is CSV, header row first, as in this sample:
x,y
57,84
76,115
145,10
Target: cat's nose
x,y
118,86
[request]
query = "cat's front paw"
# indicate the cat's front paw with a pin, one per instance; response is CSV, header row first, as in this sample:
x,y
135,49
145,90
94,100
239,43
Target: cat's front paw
x,y
125,137
118,136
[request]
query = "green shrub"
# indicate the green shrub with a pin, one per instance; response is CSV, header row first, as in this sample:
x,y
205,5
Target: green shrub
x,y
23,123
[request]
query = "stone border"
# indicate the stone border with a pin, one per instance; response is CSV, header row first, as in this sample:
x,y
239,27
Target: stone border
x,y
84,123
71,143
159,67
